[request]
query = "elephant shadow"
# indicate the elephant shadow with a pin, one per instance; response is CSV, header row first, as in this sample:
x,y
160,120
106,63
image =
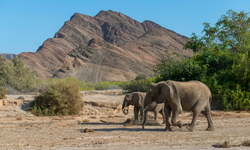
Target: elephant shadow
x,y
131,127
102,123
124,129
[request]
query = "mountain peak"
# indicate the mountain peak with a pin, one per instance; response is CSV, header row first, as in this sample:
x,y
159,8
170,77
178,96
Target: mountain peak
x,y
107,12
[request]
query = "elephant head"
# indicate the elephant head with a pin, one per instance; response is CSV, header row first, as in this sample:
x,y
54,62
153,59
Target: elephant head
x,y
129,99
157,92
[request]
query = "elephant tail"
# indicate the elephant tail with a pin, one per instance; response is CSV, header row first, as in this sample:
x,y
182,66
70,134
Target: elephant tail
x,y
210,99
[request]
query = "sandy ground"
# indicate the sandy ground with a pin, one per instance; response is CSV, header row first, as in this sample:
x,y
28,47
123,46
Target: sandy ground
x,y
102,113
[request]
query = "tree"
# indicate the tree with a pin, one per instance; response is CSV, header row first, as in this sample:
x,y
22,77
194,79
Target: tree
x,y
232,31
14,73
222,61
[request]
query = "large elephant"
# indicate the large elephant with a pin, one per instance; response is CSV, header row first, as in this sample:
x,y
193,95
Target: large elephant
x,y
137,99
192,96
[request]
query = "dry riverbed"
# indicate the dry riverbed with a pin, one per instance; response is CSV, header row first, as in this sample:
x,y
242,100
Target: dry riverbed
x,y
102,114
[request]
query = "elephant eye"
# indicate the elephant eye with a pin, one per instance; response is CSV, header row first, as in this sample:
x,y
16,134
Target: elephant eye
x,y
152,95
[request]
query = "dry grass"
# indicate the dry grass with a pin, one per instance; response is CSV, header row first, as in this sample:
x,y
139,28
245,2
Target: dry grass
x,y
85,120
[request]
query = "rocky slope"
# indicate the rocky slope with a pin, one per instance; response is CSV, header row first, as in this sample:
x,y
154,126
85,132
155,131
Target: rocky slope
x,y
109,46
8,55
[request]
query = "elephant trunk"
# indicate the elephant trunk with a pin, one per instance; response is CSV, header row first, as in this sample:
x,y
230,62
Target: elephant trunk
x,y
125,108
145,110
145,116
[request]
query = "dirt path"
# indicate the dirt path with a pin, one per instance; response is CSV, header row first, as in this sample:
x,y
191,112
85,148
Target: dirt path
x,y
21,130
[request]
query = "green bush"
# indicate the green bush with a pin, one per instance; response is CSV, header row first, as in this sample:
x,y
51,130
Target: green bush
x,y
84,86
62,97
102,85
138,85
141,77
3,92
113,86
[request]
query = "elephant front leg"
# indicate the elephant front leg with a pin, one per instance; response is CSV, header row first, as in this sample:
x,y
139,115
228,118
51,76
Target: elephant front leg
x,y
162,112
175,114
167,112
136,111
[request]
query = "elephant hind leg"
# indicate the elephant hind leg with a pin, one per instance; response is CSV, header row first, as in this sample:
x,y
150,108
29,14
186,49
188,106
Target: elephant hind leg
x,y
207,114
194,120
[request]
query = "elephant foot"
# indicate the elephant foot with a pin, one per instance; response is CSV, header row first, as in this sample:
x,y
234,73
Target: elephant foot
x,y
210,129
190,128
168,129
136,121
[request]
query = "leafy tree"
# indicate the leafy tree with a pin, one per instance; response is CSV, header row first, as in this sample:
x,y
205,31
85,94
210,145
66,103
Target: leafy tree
x,y
221,61
14,73
230,32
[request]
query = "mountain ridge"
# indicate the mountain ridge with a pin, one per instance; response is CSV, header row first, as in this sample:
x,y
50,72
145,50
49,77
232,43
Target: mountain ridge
x,y
120,32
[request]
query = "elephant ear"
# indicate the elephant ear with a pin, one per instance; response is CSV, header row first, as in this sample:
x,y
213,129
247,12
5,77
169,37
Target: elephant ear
x,y
164,92
135,98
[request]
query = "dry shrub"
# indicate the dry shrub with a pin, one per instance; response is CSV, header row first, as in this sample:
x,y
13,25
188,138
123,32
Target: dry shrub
x,y
246,143
19,118
87,130
61,97
3,92
21,97
79,121
223,145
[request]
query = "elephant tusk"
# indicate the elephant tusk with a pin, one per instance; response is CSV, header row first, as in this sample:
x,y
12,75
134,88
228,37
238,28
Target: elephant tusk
x,y
124,109
145,108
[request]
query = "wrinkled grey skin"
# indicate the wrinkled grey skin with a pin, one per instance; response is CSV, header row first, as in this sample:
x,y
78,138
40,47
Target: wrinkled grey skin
x,y
137,99
192,96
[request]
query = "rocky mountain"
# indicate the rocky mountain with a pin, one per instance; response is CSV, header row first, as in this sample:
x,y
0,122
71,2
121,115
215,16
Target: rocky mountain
x,y
8,55
109,46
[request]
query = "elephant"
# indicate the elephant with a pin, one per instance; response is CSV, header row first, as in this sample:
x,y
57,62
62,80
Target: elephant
x,y
177,96
137,99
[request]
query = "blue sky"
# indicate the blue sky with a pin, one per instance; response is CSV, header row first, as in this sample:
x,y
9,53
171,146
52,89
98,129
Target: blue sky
x,y
26,24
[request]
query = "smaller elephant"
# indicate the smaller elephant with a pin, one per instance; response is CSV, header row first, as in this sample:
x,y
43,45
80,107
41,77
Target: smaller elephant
x,y
137,100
